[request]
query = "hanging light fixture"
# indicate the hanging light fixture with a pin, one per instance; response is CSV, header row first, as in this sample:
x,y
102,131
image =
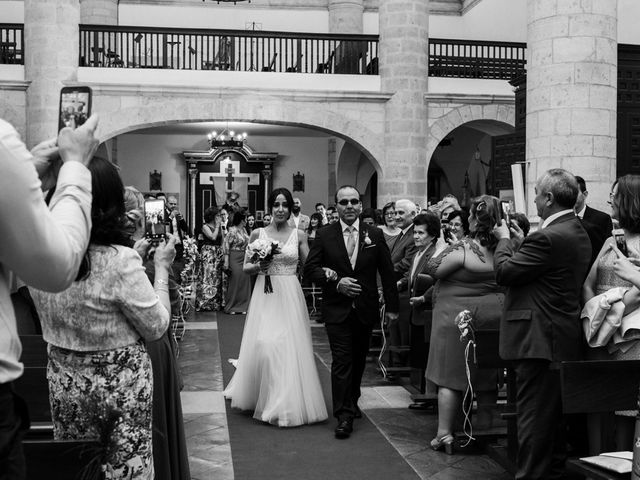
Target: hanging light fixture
x,y
227,138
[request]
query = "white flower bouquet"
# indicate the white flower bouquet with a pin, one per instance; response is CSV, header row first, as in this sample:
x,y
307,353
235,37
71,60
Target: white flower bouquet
x,y
263,250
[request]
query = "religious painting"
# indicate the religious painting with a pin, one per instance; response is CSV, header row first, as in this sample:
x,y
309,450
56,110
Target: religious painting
x,y
259,215
155,180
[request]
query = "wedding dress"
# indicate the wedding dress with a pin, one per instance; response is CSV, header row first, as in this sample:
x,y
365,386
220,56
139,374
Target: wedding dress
x,y
276,374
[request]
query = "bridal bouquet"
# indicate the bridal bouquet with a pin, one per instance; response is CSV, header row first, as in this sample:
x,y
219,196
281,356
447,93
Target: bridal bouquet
x,y
260,250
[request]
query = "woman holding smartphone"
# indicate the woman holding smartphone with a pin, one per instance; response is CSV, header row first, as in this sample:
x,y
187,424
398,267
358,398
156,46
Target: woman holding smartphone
x,y
625,208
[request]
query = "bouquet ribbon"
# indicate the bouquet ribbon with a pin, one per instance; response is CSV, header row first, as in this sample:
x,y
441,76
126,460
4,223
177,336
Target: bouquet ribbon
x,y
268,287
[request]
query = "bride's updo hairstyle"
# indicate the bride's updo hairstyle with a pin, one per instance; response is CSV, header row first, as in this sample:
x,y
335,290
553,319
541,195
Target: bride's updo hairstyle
x,y
486,212
287,196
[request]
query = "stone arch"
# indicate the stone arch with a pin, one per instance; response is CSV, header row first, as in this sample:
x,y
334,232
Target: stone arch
x,y
123,112
458,116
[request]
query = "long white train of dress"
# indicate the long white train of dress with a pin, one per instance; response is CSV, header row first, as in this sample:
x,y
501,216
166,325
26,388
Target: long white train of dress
x,y
276,374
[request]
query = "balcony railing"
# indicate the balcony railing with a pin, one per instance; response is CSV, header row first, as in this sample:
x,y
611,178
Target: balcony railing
x,y
11,43
200,49
476,59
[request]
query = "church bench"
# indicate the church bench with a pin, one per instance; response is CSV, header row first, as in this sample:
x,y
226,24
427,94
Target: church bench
x,y
59,459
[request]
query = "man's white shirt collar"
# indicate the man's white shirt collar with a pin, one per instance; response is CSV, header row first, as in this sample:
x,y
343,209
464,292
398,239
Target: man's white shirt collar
x,y
554,216
355,225
581,212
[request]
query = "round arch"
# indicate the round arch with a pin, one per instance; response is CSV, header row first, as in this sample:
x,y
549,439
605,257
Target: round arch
x,y
331,117
458,116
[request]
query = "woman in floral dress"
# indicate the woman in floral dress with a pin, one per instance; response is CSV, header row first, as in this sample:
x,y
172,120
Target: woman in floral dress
x,y
99,372
210,289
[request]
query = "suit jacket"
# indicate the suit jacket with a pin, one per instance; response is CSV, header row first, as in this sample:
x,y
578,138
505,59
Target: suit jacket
x,y
402,254
542,303
598,226
329,250
302,224
420,287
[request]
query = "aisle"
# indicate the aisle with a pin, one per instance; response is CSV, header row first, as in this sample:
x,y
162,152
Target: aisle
x,y
226,445
262,451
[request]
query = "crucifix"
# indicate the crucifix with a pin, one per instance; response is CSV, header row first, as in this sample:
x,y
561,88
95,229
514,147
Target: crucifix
x,y
229,178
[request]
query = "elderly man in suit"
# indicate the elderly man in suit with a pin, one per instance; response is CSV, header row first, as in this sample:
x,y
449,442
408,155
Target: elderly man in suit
x,y
540,323
597,224
345,259
402,254
298,219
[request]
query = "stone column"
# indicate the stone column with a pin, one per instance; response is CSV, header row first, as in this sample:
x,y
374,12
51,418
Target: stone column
x,y
345,16
404,55
571,93
50,60
99,12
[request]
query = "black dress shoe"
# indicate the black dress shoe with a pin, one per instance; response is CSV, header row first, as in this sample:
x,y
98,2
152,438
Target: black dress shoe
x,y
358,413
429,406
344,429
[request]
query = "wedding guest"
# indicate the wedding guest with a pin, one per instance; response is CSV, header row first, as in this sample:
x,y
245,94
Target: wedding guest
x,y
234,246
49,260
251,223
402,255
625,208
368,217
297,218
322,210
458,225
390,228
209,289
315,222
597,224
540,323
266,219
98,364
465,280
170,457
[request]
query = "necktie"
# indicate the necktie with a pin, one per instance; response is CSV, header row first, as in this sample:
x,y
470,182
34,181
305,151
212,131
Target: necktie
x,y
351,241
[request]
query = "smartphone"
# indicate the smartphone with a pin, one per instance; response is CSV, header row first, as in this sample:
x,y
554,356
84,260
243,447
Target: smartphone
x,y
621,242
75,106
155,221
506,211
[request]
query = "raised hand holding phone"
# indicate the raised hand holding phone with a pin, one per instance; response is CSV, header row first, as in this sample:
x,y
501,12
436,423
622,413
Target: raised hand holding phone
x,y
79,145
627,268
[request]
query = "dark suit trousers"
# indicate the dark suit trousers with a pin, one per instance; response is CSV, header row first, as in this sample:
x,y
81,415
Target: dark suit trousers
x,y
12,463
400,332
349,342
541,445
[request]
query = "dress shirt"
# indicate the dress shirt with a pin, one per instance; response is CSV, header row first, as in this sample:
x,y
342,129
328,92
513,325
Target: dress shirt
x,y
43,247
550,219
345,235
296,219
580,214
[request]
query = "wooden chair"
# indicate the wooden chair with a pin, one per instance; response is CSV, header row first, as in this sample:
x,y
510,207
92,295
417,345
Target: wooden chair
x,y
272,64
326,66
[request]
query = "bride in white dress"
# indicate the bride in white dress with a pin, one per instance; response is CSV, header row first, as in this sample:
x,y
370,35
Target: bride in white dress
x,y
276,375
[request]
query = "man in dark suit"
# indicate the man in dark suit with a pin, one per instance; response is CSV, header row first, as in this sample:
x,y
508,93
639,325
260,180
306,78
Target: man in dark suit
x,y
597,224
353,253
540,323
402,254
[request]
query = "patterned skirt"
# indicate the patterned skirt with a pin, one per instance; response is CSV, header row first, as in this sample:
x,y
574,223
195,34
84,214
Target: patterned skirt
x,y
211,287
107,396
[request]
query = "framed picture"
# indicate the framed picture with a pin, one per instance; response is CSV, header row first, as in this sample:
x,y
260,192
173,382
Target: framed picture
x,y
259,215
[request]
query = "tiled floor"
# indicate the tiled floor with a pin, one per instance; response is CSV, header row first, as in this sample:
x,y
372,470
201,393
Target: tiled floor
x,y
383,402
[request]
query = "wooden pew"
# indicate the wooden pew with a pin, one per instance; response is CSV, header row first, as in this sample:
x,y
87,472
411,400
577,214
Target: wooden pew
x,y
598,386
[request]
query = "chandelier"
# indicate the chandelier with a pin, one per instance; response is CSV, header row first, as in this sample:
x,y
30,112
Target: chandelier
x,y
226,138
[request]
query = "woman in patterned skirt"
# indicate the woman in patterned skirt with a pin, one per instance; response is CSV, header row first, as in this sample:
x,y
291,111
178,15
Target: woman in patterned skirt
x,y
210,288
100,380
239,288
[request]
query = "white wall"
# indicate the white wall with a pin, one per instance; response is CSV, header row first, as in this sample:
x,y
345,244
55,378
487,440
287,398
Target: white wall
x,y
235,17
138,155
11,11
